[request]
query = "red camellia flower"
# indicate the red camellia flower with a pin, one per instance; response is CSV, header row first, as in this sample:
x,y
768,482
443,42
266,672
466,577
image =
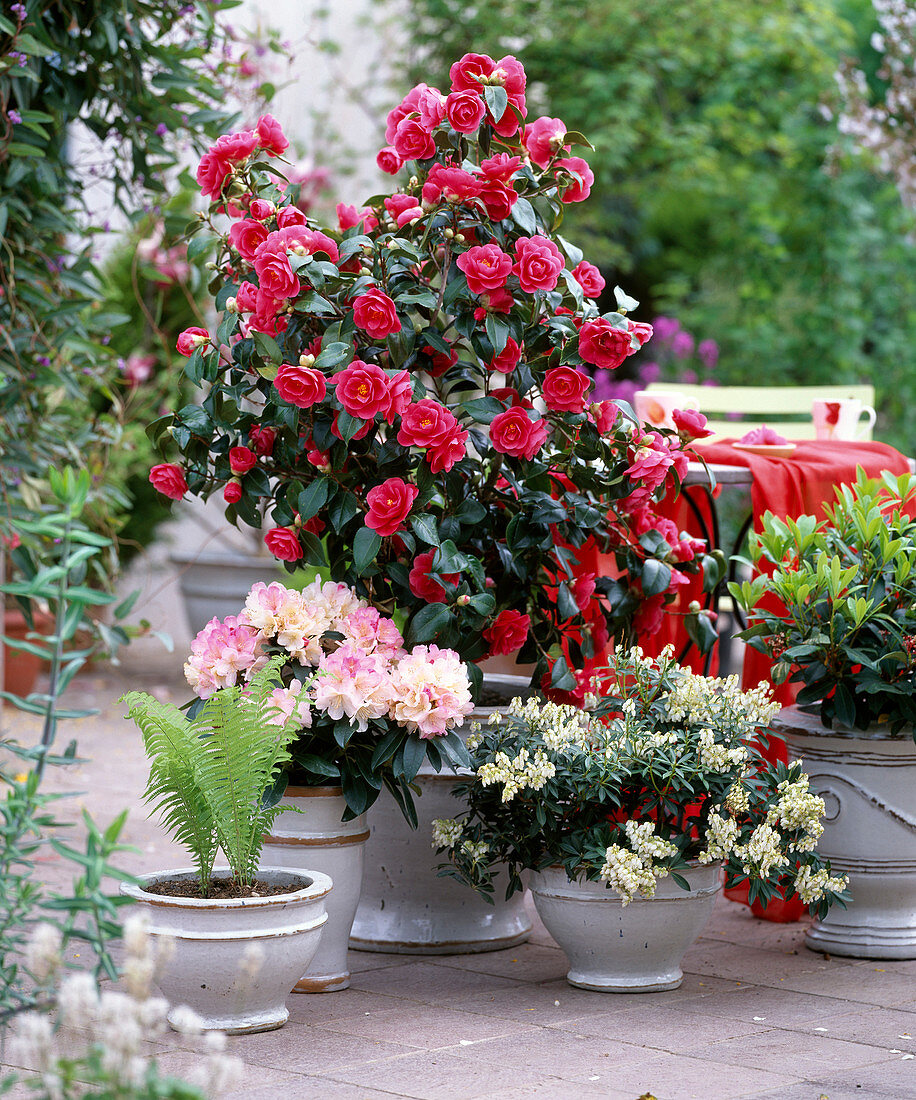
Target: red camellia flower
x,y
603,345
389,505
246,298
400,392
544,139
300,386
262,439
283,543
583,588
389,160
538,263
498,199
425,587
449,451
362,389
412,141
507,359
374,312
275,276
604,415
425,424
578,190
589,278
246,235
500,167
440,362
219,160
640,331
168,479
513,433
192,339
241,459
690,424
232,491
486,268
508,72
270,136
449,184
465,111
508,632
564,389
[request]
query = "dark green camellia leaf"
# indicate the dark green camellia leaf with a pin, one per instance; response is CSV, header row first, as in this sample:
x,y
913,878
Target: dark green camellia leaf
x,y
268,347
334,355
656,576
312,499
427,623
524,217
560,677
366,546
567,607
497,100
424,527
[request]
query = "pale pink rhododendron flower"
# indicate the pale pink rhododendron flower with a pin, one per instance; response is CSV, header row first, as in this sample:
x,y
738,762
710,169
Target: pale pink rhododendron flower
x,y
431,691
222,653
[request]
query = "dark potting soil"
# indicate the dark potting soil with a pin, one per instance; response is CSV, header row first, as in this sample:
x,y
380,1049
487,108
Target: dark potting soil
x,y
221,889
496,696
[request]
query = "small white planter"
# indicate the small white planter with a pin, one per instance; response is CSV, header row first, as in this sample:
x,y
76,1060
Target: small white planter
x,y
406,908
234,961
614,948
319,840
867,780
214,584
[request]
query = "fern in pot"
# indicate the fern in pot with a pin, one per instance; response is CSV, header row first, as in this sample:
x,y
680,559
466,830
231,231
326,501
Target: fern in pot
x,y
240,935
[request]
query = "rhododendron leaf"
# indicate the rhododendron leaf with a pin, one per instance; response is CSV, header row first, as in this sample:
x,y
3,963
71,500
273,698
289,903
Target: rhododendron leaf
x,y
366,546
414,755
313,498
386,748
524,216
497,99
268,346
427,623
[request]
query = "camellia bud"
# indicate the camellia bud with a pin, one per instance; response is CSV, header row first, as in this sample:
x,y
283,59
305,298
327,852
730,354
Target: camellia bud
x,y
449,234
365,271
693,607
392,244
232,305
463,600
306,360
460,238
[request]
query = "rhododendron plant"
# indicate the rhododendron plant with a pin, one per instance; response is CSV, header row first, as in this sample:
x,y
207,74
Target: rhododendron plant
x,y
420,374
369,711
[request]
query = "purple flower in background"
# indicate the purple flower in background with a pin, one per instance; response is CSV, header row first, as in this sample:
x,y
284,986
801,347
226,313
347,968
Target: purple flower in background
x,y
649,373
44,360
19,10
608,388
162,129
14,116
689,376
665,327
708,351
19,58
603,386
682,344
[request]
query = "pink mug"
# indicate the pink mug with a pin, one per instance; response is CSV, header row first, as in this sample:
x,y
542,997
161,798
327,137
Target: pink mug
x,y
654,407
840,419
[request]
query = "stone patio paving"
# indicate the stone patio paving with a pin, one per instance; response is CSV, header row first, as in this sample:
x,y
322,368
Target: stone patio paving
x,y
758,1014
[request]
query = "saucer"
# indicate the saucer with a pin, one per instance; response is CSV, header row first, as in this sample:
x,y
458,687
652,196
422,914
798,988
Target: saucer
x,y
768,450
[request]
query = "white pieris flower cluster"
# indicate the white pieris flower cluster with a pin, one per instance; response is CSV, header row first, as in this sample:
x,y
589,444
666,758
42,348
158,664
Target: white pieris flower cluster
x,y
813,885
717,757
703,701
446,832
736,801
114,1026
476,850
798,810
762,853
636,871
721,834
556,724
518,774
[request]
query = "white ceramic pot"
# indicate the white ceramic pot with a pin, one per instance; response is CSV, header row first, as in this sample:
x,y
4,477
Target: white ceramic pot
x,y
613,948
214,584
318,839
867,780
234,961
406,908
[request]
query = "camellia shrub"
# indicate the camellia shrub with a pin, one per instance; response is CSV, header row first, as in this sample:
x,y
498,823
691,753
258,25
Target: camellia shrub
x,y
403,400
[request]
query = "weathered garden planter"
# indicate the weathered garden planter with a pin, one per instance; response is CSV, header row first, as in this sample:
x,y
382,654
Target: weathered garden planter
x,y
613,948
319,840
234,961
214,584
405,907
867,780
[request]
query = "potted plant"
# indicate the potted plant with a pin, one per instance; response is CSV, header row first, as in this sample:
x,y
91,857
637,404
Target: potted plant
x,y
401,399
366,713
243,934
626,812
836,610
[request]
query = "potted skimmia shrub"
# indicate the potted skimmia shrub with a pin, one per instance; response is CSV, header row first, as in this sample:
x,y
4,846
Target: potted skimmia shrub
x,y
402,399
839,618
626,812
242,935
367,713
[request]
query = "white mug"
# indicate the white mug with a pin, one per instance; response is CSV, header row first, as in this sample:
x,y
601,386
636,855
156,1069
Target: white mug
x,y
654,407
840,419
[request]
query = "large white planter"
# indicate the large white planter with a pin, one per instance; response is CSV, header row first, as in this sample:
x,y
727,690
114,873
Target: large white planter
x,y
235,961
406,908
613,948
318,839
216,584
867,780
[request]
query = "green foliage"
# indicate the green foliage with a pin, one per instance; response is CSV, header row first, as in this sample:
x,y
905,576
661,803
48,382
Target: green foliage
x,y
840,612
208,773
712,123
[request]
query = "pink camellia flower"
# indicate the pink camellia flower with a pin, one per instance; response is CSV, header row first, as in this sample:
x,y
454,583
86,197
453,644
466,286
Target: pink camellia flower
x,y
283,543
498,199
396,204
246,235
168,479
448,183
486,268
589,278
430,691
290,215
275,276
412,141
538,263
602,344
579,189
261,209
219,160
507,360
271,137
192,339
301,386
262,439
604,415
652,461
508,632
137,368
508,72
465,111
400,392
409,105
431,108
500,167
543,139
362,389
389,505
583,588
425,587
348,217
690,424
449,451
375,313
246,298
513,433
232,491
389,160
425,424
241,459
564,389
640,332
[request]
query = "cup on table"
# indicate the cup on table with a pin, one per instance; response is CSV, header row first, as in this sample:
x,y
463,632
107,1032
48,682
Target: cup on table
x,y
840,419
655,408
